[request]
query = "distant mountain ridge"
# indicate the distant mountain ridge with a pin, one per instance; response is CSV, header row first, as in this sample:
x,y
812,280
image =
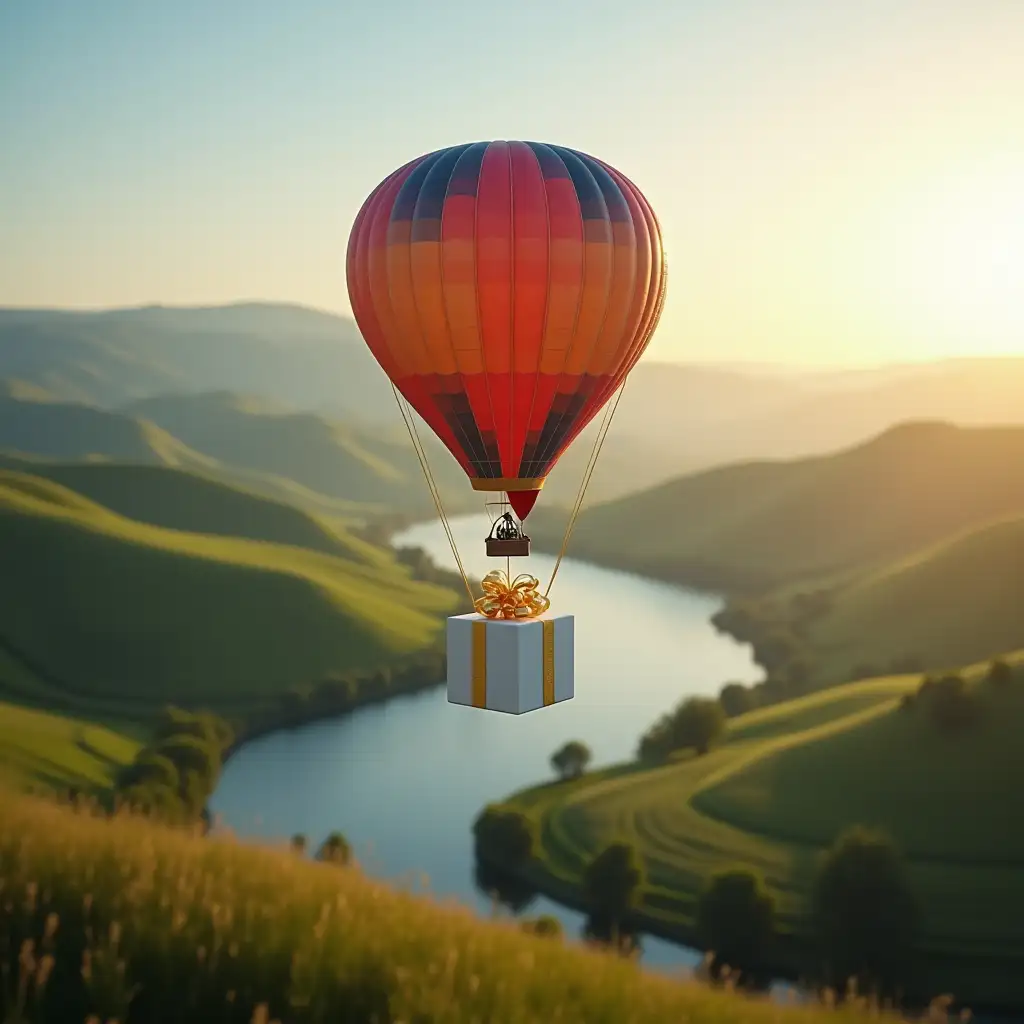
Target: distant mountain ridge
x,y
300,458
673,418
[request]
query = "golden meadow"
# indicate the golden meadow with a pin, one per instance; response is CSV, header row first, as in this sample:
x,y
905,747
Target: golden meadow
x,y
123,920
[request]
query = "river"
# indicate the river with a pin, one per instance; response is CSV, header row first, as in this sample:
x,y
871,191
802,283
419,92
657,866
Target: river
x,y
403,781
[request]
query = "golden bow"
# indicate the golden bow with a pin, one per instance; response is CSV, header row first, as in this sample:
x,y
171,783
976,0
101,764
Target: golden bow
x,y
505,598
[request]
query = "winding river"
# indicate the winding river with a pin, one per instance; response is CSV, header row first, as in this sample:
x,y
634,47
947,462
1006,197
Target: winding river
x,y
404,781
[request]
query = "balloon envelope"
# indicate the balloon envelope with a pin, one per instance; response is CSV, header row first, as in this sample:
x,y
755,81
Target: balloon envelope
x,y
506,289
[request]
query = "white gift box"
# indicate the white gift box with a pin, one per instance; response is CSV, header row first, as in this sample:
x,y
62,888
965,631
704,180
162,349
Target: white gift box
x,y
510,665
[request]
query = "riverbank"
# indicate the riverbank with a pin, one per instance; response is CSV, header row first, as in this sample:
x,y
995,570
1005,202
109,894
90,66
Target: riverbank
x,y
690,817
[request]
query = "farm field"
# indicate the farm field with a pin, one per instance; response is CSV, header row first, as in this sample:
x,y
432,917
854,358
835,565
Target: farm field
x,y
782,786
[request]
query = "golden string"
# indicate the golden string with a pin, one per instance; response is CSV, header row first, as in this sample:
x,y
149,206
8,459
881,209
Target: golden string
x,y
421,455
602,433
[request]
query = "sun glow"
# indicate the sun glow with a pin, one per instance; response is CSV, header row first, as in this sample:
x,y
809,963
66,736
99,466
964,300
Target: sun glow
x,y
954,262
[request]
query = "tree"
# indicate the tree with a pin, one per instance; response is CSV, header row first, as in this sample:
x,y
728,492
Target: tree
x,y
502,887
951,705
776,650
999,673
571,760
865,913
612,882
656,743
335,849
736,699
736,920
298,844
697,723
506,835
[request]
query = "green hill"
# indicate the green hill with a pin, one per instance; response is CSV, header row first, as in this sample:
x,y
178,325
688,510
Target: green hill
x,y
63,430
129,615
786,781
764,524
58,751
315,453
302,459
956,602
181,500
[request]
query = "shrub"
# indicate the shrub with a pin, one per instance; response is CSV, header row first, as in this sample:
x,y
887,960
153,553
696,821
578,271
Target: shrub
x,y
545,925
335,849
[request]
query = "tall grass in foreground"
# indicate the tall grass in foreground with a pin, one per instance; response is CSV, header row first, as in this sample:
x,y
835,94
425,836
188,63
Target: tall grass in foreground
x,y
136,923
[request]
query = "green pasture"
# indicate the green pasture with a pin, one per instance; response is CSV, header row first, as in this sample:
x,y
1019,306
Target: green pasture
x,y
787,780
118,610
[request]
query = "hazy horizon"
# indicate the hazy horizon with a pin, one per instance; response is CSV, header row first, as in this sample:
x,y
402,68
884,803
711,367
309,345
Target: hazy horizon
x,y
839,186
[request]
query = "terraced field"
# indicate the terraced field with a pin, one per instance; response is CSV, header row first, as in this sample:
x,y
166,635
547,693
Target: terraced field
x,y
787,780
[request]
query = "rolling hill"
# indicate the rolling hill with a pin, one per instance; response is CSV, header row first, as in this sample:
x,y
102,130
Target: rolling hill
x,y
765,524
300,357
300,458
781,787
177,499
673,419
71,431
952,603
121,615
315,453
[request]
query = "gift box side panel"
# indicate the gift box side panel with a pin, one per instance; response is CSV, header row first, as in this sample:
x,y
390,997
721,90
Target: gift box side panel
x,y
565,657
505,666
459,640
530,669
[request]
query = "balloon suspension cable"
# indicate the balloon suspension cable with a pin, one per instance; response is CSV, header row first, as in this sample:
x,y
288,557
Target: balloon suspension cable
x,y
602,433
421,455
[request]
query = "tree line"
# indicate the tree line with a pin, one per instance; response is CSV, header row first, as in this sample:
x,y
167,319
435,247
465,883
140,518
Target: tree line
x,y
864,918
778,633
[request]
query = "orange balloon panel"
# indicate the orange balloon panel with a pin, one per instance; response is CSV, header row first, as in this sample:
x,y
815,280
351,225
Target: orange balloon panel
x,y
506,288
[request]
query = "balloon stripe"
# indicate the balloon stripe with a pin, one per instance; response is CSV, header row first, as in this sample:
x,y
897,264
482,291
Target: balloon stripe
x,y
507,289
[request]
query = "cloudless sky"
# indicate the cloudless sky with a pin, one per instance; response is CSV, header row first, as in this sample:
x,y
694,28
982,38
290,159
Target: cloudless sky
x,y
838,182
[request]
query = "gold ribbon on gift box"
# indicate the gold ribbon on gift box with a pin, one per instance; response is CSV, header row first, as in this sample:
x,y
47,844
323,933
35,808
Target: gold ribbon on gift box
x,y
505,598
479,663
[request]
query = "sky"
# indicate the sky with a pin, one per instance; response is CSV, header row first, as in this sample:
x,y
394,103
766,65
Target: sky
x,y
838,183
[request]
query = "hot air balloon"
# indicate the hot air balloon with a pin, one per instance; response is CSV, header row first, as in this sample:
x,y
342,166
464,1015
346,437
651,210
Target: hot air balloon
x,y
506,289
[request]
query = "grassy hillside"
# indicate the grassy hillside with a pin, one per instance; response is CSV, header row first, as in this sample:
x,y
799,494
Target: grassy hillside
x,y
763,524
301,357
324,936
129,615
316,453
302,459
787,780
56,751
181,500
952,603
67,431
